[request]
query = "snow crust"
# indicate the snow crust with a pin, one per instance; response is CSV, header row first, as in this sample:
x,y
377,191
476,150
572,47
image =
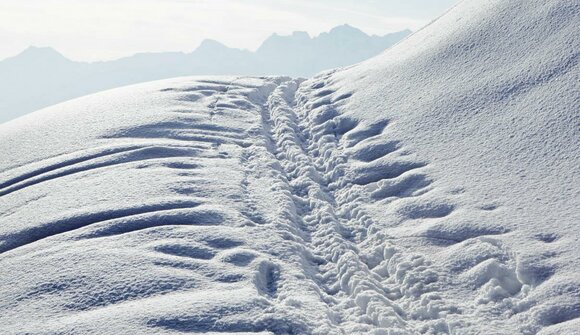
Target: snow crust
x,y
431,190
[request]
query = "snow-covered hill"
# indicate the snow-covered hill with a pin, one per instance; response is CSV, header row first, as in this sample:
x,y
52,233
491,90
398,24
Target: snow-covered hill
x,y
430,190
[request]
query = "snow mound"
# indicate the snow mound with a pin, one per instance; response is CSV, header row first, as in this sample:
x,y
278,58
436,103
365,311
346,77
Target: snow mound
x,y
431,190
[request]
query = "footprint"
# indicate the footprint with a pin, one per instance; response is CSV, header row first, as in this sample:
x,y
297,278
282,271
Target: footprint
x,y
320,116
319,103
546,237
318,85
222,242
425,209
323,93
535,269
181,165
229,277
371,173
495,280
489,207
462,230
186,251
342,97
191,97
344,125
239,258
404,186
267,278
375,151
374,129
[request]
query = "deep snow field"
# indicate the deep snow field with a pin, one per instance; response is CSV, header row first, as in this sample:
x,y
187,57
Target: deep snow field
x,y
430,190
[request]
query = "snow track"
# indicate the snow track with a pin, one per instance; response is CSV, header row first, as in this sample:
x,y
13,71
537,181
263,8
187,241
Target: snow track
x,y
369,282
273,192
431,190
255,206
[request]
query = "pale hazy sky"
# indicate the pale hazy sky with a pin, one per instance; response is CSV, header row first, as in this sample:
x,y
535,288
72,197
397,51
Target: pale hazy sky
x,y
92,30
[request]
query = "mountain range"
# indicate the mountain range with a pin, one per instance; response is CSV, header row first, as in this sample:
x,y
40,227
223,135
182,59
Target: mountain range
x,y
39,77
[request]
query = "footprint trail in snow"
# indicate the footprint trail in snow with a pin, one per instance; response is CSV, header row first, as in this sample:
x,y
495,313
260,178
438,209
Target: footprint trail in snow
x,y
250,206
430,190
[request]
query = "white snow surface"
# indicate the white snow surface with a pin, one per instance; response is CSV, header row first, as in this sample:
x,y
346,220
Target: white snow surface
x,y
430,190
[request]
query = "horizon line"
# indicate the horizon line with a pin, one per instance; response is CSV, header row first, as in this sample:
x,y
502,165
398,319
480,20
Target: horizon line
x,y
202,42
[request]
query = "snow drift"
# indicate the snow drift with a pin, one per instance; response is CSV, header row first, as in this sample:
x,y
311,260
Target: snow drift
x,y
430,190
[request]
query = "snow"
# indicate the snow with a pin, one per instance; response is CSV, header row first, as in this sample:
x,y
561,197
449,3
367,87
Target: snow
x,y
430,190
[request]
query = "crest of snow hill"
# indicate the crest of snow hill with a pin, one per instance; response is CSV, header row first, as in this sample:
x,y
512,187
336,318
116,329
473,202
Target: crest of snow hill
x,y
430,190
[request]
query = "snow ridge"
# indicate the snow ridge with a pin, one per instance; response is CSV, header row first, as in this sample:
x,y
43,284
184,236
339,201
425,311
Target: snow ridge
x,y
273,210
336,269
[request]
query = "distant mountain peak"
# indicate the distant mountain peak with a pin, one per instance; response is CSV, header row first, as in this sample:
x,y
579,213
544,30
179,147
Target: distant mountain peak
x,y
34,48
41,52
345,29
296,35
302,38
210,45
276,42
301,35
39,55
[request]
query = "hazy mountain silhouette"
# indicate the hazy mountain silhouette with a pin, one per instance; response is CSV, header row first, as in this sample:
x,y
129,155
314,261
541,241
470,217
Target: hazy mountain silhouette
x,y
39,77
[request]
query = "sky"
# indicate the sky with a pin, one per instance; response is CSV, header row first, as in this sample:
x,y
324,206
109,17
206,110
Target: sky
x,y
93,30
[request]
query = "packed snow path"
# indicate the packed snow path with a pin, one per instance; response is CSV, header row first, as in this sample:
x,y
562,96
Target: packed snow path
x,y
250,205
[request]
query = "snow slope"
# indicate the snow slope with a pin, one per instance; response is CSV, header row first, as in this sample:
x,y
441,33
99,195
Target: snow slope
x,y
430,190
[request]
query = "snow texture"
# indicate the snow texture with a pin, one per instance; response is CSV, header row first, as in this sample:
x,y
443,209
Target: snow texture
x,y
430,190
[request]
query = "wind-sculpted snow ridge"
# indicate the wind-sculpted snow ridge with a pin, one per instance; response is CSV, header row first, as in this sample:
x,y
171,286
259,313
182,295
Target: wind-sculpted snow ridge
x,y
432,190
